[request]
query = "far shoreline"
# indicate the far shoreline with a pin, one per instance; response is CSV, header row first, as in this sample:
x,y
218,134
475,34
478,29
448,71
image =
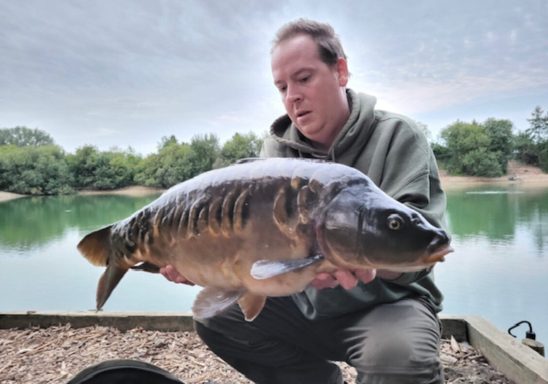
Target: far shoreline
x,y
525,177
133,191
518,175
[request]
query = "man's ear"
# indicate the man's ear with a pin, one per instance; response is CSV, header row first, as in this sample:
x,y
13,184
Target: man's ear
x,y
342,71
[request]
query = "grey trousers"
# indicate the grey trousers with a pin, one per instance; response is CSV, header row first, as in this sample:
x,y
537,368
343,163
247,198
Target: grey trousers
x,y
395,343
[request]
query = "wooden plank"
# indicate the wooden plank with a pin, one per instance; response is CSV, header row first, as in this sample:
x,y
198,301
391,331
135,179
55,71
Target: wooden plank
x,y
451,325
507,354
120,320
454,326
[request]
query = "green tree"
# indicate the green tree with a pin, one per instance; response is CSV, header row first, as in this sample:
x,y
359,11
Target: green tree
x,y
525,149
481,162
531,146
24,137
83,165
116,169
538,132
38,170
501,140
239,147
204,152
93,169
176,162
543,155
441,152
171,165
538,128
469,150
166,141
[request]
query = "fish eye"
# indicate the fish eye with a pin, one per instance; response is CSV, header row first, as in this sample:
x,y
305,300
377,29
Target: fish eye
x,y
395,222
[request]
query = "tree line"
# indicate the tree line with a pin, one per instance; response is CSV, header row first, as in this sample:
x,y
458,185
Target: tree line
x,y
31,162
484,149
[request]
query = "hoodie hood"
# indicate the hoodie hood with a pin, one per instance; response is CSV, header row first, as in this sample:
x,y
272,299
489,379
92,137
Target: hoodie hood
x,y
357,130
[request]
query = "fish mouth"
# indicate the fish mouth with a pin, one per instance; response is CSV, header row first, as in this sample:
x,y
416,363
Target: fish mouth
x,y
439,254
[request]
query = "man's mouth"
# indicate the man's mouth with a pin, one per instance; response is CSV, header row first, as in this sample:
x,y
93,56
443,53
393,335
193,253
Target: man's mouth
x,y
302,113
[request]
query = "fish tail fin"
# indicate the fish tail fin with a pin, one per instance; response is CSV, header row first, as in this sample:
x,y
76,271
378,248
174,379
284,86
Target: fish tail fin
x,y
97,249
108,281
95,246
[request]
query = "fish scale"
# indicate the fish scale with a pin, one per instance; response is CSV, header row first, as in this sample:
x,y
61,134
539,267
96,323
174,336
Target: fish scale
x,y
217,215
292,206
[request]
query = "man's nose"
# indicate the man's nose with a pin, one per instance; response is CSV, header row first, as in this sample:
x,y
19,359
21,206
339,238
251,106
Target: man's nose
x,y
293,94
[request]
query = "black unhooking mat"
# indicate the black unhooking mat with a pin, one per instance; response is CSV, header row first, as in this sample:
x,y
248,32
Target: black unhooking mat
x,y
124,372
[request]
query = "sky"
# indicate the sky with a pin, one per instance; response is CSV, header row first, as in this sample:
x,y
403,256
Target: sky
x,y
125,73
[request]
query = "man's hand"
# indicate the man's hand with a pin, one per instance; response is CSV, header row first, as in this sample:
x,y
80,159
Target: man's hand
x,y
170,273
344,277
348,279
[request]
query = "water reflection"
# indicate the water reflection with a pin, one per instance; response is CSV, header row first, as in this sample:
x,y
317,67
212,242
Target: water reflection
x,y
29,222
498,270
498,213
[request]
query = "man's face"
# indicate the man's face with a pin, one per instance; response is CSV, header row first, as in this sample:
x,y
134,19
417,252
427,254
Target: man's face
x,y
313,92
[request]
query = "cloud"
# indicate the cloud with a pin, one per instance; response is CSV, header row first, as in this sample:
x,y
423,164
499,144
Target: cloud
x,y
136,70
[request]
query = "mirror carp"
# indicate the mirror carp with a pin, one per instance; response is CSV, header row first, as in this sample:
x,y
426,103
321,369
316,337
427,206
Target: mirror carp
x,y
265,227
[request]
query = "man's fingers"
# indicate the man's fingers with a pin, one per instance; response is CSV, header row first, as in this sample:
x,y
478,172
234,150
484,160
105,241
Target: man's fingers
x,y
343,277
170,273
366,275
324,280
346,279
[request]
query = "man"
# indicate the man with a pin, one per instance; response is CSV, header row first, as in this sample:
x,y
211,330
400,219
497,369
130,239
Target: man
x,y
381,322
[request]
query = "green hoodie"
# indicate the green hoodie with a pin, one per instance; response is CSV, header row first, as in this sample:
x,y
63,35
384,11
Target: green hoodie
x,y
394,153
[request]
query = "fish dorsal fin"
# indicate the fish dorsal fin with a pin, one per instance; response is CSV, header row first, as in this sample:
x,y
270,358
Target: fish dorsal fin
x,y
95,246
265,269
211,300
251,305
244,160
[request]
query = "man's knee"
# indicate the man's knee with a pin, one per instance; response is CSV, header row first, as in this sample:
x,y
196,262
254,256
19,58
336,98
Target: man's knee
x,y
215,336
393,357
267,360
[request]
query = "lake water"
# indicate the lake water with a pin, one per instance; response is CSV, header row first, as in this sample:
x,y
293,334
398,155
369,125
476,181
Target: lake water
x,y
499,269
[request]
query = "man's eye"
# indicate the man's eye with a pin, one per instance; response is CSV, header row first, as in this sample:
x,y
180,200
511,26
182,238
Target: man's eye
x,y
304,79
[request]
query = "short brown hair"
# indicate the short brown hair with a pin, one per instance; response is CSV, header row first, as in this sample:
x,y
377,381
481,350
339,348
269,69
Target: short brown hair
x,y
329,45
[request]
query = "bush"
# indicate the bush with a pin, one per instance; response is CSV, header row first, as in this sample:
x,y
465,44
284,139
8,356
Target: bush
x,y
477,149
480,162
34,170
92,169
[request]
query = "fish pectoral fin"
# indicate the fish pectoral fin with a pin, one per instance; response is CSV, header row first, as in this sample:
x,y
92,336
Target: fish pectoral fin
x,y
265,269
108,281
251,305
147,267
211,301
